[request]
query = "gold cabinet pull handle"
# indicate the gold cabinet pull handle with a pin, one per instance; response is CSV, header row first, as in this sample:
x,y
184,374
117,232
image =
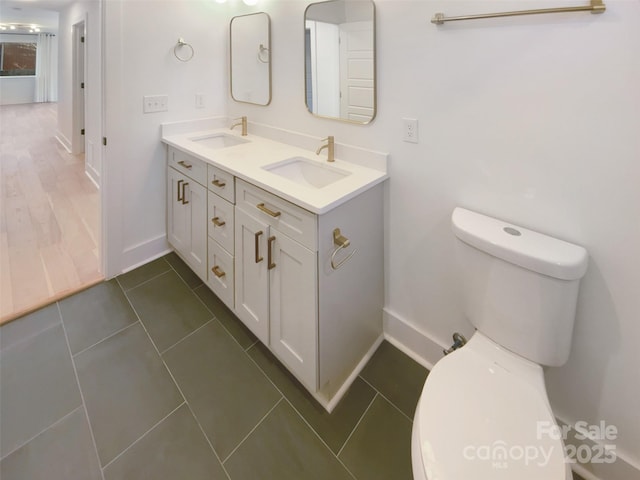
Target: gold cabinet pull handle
x,y
257,237
216,221
184,196
261,207
186,165
218,183
217,272
179,185
269,245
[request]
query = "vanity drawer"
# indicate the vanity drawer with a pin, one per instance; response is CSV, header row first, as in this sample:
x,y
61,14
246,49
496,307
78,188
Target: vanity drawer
x,y
190,166
221,222
221,183
221,278
295,222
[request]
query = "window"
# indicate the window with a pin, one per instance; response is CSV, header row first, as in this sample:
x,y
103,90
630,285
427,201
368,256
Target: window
x,y
17,59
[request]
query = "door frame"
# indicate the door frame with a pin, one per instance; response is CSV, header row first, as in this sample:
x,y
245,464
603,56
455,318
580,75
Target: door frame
x,y
78,77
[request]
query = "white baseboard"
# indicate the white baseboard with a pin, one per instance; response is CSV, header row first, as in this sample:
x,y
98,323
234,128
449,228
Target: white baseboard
x,y
424,349
411,339
144,252
64,141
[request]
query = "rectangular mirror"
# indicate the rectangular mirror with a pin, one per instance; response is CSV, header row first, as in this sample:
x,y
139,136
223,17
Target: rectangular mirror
x,y
250,58
340,60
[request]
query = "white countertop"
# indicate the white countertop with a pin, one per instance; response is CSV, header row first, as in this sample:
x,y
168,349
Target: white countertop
x,y
246,161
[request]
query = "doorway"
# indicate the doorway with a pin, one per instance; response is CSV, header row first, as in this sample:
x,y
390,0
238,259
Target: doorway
x,y
52,235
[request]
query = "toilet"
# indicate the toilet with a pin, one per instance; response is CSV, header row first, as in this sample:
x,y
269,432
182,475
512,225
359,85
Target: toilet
x,y
484,413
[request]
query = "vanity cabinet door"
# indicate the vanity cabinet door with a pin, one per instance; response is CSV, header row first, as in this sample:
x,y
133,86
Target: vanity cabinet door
x,y
294,308
187,220
252,276
178,229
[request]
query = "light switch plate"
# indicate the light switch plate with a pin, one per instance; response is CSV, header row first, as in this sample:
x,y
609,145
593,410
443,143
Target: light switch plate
x,y
155,103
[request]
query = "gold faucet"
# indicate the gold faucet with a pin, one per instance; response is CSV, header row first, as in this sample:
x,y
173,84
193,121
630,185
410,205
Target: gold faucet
x,y
330,146
243,122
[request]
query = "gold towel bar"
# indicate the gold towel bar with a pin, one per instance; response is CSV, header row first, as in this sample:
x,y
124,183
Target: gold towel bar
x,y
596,6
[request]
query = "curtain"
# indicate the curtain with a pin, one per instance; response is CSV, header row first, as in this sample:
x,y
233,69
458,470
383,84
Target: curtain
x,y
46,68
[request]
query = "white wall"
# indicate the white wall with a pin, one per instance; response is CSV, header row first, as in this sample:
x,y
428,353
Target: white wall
x,y
531,119
139,60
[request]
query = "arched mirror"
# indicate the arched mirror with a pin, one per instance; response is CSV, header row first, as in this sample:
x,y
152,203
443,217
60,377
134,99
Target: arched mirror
x,y
340,60
250,58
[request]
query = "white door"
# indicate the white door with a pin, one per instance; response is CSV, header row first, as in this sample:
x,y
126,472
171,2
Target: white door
x,y
356,71
294,308
252,279
178,215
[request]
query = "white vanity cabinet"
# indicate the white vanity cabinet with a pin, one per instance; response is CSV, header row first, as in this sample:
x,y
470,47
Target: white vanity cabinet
x,y
187,210
276,278
279,268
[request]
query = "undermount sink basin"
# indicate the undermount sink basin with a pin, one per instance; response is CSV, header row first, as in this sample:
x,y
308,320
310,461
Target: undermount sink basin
x,y
307,172
218,140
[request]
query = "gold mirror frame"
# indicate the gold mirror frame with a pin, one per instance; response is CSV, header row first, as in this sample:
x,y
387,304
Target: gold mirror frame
x,y
262,55
374,66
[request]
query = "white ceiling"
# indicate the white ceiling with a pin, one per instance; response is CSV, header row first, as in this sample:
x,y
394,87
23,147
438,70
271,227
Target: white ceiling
x,y
40,12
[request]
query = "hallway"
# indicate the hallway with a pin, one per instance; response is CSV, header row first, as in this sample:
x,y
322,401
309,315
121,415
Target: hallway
x,y
49,213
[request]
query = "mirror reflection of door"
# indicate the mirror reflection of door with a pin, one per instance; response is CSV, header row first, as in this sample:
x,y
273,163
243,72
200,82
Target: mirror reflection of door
x,y
250,57
340,60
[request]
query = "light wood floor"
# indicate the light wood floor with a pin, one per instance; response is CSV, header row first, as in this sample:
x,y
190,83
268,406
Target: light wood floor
x,y
49,213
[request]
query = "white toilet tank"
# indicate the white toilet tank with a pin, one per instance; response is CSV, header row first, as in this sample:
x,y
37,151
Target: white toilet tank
x,y
520,286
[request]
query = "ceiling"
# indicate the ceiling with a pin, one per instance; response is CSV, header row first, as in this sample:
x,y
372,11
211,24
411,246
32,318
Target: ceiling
x,y
40,12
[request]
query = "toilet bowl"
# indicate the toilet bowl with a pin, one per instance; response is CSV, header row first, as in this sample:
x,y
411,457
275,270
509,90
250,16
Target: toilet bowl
x,y
484,413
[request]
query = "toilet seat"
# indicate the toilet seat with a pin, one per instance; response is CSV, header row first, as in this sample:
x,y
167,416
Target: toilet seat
x,y
478,418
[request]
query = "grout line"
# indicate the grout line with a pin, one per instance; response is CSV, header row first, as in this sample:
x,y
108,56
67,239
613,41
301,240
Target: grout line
x,y
253,429
298,412
84,405
60,420
143,435
175,382
251,346
392,404
357,424
125,290
188,335
194,415
104,339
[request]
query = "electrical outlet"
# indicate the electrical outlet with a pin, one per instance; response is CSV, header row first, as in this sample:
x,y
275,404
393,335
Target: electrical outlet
x,y
199,100
155,103
410,130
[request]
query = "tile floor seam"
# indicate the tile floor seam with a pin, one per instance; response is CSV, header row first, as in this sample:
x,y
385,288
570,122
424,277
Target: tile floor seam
x,y
253,430
204,434
186,402
299,413
183,279
142,436
125,290
26,442
357,424
320,438
187,336
392,404
245,350
84,405
73,355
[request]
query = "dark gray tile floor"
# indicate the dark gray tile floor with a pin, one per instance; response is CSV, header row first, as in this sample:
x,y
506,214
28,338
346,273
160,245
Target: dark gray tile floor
x,y
150,376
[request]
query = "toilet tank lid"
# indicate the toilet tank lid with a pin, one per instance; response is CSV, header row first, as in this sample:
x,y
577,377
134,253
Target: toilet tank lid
x,y
520,246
